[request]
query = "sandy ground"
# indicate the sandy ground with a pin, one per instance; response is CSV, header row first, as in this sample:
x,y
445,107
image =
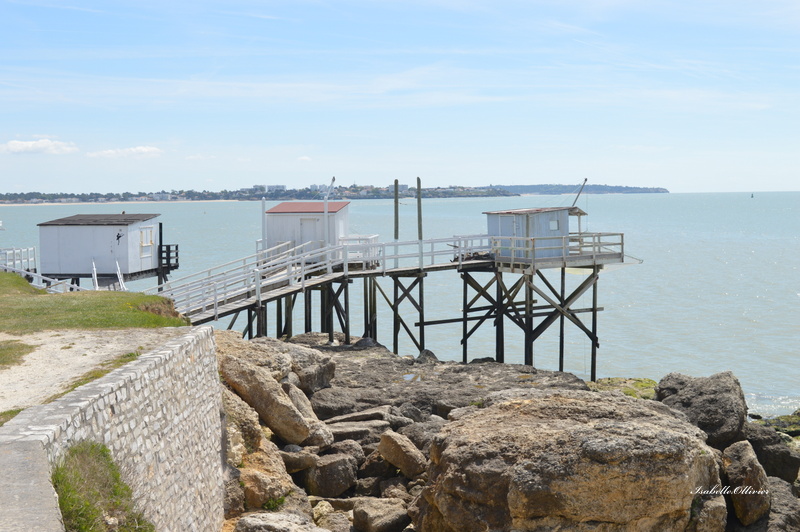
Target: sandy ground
x,y
62,356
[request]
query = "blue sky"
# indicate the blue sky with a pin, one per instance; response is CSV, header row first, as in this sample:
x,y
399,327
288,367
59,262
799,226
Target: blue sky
x,y
113,96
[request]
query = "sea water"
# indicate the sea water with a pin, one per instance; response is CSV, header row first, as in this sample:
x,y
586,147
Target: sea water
x,y
717,288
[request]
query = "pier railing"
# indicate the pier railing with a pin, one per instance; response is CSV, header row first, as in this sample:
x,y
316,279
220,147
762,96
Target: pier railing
x,y
254,276
20,258
575,249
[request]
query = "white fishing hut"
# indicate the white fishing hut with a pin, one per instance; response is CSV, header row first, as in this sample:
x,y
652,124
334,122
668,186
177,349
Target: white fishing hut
x,y
105,246
533,233
307,222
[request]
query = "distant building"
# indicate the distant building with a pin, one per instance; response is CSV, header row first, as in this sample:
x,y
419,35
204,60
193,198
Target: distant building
x,y
276,188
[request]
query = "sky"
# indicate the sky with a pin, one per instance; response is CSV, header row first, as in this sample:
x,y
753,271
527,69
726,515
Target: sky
x,y
115,96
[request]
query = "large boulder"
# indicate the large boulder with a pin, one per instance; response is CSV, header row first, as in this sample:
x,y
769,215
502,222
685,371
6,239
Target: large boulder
x,y
242,415
276,522
784,513
777,458
314,369
401,452
261,391
715,404
274,361
264,476
566,460
380,515
332,475
747,482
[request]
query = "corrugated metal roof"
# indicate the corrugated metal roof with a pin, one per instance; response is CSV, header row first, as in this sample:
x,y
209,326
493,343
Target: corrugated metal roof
x,y
573,211
307,207
101,219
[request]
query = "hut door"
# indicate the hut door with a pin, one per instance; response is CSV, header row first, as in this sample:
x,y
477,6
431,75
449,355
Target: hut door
x,y
308,231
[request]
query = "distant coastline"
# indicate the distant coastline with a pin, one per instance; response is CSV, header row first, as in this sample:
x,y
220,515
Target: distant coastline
x,y
281,193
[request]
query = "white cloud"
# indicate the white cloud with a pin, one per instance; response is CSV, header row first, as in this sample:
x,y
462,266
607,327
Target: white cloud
x,y
137,151
48,146
304,158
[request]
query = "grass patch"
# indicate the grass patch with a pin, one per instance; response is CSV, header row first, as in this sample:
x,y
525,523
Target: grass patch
x,y
8,414
12,351
27,309
105,368
632,387
91,493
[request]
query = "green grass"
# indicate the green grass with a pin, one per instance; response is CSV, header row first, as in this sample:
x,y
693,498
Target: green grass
x,y
12,352
8,414
90,490
27,310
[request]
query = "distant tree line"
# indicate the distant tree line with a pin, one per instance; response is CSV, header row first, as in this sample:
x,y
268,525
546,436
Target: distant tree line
x,y
573,189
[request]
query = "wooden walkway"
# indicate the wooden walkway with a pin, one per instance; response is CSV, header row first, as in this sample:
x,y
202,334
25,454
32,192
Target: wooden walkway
x,y
281,271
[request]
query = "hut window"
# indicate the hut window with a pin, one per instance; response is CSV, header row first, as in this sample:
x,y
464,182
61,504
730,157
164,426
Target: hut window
x,y
554,225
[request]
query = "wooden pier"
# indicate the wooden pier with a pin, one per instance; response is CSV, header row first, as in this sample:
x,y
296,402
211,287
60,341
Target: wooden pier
x,y
518,291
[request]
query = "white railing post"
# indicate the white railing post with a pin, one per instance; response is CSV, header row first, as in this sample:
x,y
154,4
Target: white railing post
x,y
257,281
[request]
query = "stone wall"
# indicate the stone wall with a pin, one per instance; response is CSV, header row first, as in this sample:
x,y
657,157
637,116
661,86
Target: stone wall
x,y
160,417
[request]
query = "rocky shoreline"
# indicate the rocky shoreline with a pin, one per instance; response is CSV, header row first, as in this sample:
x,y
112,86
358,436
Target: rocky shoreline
x,y
345,438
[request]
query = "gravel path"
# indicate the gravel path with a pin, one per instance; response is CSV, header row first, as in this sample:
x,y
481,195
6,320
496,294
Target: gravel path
x,y
63,355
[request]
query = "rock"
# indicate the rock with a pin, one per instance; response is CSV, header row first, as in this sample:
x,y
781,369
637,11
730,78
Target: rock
x,y
422,434
715,404
380,515
261,354
784,515
298,461
413,413
350,448
377,466
299,400
426,356
366,342
331,476
264,476
457,413
384,412
260,488
632,387
257,387
233,498
336,522
787,424
319,435
234,445
276,522
401,452
328,518
368,487
378,377
747,481
395,488
566,460
710,516
777,458
244,417
361,431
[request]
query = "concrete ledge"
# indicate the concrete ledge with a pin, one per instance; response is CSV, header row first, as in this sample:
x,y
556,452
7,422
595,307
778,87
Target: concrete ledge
x,y
27,490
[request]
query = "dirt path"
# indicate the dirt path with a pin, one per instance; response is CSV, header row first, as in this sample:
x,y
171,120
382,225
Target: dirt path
x,y
62,356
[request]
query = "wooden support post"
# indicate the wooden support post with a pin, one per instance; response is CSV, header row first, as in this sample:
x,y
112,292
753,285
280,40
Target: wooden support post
x,y
498,320
288,302
248,330
594,327
396,316
346,312
233,320
562,300
528,279
464,312
278,319
307,301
